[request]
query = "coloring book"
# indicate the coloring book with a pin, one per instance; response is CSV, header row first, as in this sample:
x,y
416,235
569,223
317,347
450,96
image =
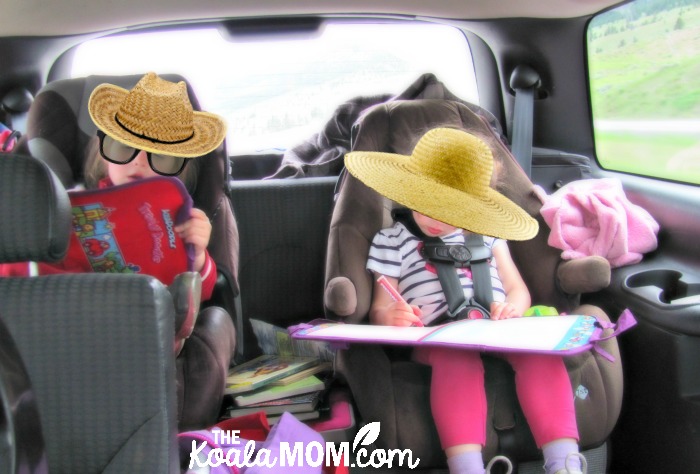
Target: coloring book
x,y
564,335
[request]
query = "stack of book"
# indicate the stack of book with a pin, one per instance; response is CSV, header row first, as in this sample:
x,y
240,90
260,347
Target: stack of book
x,y
276,384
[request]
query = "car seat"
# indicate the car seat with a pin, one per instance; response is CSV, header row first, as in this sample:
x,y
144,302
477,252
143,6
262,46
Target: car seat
x,y
390,388
59,129
102,405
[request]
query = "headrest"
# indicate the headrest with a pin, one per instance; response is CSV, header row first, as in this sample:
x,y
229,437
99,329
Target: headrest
x,y
34,210
59,126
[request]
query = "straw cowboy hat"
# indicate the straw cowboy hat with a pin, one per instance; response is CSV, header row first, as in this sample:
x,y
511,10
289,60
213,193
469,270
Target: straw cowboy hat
x,y
156,116
447,178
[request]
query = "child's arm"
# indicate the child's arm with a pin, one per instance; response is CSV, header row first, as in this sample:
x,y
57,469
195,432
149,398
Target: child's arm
x,y
517,294
387,312
196,231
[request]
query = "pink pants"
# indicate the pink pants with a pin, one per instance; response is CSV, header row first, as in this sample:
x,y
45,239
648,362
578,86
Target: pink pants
x,y
458,397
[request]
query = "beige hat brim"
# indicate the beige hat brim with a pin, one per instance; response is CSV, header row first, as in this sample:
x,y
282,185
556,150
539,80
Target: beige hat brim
x,y
491,214
209,129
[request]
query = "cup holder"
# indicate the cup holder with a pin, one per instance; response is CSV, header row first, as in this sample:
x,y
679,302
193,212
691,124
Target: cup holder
x,y
665,287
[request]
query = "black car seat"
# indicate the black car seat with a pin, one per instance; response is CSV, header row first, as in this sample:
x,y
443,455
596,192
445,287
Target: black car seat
x,y
101,366
59,129
390,388
22,444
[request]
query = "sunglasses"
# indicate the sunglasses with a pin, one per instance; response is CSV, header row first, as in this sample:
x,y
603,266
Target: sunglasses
x,y
121,154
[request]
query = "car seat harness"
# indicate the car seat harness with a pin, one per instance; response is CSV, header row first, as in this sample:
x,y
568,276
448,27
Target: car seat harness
x,y
447,258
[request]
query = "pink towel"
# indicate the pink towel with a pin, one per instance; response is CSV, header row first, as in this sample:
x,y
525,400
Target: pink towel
x,y
594,217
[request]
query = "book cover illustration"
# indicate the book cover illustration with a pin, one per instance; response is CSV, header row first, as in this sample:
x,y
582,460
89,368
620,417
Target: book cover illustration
x,y
316,369
264,369
276,340
128,229
94,231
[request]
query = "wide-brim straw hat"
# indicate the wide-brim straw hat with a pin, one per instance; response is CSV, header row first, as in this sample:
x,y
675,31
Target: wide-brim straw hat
x,y
447,178
156,116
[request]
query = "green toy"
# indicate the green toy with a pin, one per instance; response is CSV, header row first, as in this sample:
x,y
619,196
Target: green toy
x,y
541,310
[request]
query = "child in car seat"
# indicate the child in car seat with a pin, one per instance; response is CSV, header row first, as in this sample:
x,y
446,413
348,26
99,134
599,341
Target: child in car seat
x,y
152,130
148,131
446,183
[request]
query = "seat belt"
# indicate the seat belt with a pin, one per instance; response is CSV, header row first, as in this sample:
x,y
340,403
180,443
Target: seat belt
x,y
524,81
447,258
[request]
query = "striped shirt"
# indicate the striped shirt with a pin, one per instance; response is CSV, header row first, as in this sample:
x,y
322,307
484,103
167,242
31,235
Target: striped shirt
x,y
395,252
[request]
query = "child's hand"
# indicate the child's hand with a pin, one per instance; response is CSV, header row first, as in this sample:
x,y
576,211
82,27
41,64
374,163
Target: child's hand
x,y
196,231
503,310
398,313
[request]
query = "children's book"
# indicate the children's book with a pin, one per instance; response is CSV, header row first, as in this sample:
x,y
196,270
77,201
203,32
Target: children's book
x,y
298,403
563,335
310,384
263,370
316,369
276,340
128,229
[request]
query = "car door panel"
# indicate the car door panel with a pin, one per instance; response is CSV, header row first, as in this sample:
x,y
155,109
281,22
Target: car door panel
x,y
661,408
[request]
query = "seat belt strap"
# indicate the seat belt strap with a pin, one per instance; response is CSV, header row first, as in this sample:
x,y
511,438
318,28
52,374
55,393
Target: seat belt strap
x,y
451,287
481,273
524,81
446,264
521,145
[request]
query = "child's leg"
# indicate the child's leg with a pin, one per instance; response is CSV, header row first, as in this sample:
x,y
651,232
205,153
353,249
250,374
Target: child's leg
x,y
545,395
562,456
458,404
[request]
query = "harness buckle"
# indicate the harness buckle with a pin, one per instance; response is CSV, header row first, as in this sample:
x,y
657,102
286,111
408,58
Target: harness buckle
x,y
458,255
469,310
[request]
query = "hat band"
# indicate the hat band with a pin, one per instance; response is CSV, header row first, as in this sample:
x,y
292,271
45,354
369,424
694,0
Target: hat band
x,y
146,137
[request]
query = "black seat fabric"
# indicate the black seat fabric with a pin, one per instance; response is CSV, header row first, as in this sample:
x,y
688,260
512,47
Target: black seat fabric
x,y
101,367
386,385
101,364
59,131
42,234
283,227
22,447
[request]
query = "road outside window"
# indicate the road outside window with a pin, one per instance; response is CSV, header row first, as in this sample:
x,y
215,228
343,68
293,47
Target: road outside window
x,y
644,67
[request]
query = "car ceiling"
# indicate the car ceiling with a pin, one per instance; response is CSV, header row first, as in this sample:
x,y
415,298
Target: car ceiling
x,y
69,17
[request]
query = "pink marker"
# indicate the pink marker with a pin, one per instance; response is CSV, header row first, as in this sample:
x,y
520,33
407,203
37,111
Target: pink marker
x,y
395,295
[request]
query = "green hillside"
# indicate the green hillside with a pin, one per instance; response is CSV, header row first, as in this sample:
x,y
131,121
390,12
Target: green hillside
x,y
644,65
632,58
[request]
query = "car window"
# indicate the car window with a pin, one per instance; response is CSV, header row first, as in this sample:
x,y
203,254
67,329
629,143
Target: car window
x,y
644,66
276,92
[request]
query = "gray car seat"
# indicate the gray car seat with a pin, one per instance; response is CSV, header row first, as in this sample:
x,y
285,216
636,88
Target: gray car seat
x,y
101,366
59,130
22,447
390,388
